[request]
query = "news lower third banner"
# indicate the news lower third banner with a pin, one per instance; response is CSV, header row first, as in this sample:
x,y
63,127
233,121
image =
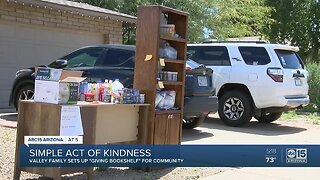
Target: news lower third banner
x,y
81,155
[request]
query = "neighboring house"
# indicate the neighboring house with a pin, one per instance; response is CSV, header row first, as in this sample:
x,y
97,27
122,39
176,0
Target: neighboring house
x,y
36,32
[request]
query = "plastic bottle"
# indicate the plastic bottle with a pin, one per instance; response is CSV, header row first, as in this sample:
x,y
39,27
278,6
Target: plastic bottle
x,y
95,91
89,89
106,92
101,91
116,86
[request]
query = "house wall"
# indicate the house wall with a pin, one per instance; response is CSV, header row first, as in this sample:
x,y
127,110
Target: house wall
x,y
31,36
46,17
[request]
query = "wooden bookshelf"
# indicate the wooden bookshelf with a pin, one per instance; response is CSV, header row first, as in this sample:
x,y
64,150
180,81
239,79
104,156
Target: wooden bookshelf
x,y
164,126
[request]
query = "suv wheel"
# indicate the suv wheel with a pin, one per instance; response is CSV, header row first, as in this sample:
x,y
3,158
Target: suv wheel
x,y
192,122
235,108
268,117
25,93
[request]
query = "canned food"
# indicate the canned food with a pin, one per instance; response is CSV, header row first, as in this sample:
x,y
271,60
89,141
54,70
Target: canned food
x,y
141,98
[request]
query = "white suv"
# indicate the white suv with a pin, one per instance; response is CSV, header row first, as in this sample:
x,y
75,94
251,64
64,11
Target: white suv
x,y
254,79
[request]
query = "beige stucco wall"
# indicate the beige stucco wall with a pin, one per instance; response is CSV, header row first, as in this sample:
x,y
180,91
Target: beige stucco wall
x,y
47,17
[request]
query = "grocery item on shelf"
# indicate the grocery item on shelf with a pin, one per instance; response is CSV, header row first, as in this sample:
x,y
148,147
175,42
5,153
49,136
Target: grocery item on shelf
x,y
167,30
141,98
89,97
95,91
57,86
163,19
167,51
116,88
109,92
106,96
165,100
130,96
167,76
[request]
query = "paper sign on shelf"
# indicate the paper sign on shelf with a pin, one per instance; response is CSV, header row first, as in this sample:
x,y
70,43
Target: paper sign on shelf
x,y
70,123
162,63
160,83
148,57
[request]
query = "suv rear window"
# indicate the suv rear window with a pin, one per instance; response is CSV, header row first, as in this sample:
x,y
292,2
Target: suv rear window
x,y
118,57
289,59
209,55
86,57
254,55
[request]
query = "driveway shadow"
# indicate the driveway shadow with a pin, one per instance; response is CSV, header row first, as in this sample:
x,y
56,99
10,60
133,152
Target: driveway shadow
x,y
194,134
254,127
9,116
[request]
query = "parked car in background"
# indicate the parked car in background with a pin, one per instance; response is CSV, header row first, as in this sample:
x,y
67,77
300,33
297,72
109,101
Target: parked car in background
x,y
117,61
254,79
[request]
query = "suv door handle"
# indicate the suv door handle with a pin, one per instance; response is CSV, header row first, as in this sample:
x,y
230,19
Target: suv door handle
x,y
237,59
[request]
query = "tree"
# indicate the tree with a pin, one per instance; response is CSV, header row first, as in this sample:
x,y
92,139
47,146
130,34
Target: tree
x,y
218,19
297,22
239,18
195,8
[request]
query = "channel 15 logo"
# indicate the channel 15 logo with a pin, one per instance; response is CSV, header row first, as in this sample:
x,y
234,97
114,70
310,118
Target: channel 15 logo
x,y
296,155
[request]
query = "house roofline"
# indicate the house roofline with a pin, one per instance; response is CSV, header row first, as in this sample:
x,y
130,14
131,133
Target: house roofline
x,y
82,8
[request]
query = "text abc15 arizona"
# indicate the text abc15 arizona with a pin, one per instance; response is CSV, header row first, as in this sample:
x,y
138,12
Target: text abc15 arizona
x,y
296,155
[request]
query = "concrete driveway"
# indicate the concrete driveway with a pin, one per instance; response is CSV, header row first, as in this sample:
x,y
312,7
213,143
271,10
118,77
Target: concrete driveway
x,y
213,131
8,119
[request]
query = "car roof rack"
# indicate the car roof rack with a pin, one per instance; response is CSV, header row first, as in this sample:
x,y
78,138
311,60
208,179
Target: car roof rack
x,y
218,41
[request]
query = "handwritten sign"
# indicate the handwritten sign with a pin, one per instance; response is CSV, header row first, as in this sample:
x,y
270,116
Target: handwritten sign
x,y
70,122
160,83
162,63
148,57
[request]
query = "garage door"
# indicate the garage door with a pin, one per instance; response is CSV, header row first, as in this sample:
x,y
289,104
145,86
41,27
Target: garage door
x,y
26,46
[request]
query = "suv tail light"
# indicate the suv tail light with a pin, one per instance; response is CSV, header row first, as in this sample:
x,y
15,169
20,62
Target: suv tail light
x,y
188,69
276,74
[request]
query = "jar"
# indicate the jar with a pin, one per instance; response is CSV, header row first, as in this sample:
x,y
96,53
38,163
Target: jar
x,y
89,97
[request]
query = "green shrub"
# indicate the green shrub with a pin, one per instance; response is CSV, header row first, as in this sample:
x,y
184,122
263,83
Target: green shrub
x,y
314,85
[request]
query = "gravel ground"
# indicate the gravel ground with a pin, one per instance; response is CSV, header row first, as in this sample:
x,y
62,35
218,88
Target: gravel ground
x,y
7,154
